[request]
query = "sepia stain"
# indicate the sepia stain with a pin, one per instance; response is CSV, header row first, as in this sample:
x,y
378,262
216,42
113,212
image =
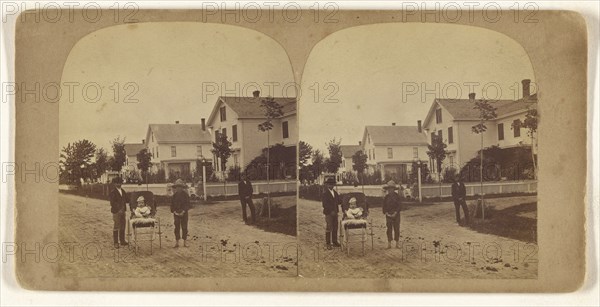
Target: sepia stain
x,y
132,26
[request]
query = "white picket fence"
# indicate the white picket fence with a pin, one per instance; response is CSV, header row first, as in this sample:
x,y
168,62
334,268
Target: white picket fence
x,y
218,189
434,190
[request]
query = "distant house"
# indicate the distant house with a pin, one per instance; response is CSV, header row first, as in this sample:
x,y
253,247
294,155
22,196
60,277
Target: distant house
x,y
131,151
347,152
392,150
239,117
453,119
176,147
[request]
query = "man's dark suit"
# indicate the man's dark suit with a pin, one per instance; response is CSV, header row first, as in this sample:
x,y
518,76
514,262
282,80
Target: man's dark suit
x,y
459,193
330,204
245,191
118,207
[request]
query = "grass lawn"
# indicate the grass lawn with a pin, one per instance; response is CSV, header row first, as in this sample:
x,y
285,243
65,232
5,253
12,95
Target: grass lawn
x,y
515,222
283,215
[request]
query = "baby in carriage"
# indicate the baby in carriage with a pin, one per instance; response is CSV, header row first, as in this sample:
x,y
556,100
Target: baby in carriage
x,y
354,214
142,215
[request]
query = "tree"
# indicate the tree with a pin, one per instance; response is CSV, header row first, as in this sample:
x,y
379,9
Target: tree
x,y
272,110
318,163
75,159
531,124
118,147
222,150
101,164
335,155
305,151
359,164
143,157
486,112
437,152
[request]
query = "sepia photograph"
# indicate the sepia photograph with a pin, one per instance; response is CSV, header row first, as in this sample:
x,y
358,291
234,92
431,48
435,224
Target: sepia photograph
x,y
425,164
329,150
193,172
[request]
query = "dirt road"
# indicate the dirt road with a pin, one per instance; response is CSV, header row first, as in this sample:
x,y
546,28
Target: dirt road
x,y
221,245
433,246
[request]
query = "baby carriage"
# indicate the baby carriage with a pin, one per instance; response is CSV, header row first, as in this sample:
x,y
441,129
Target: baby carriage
x,y
143,229
355,227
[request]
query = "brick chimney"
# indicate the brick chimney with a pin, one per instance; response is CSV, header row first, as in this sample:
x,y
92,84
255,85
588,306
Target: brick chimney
x,y
176,122
143,141
256,94
526,88
393,124
359,143
471,96
419,128
203,124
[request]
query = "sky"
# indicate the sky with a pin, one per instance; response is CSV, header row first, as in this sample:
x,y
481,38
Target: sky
x,y
174,70
387,73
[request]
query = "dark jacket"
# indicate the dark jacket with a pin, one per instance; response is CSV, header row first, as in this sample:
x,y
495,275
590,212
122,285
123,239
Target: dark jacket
x,y
458,191
180,201
391,203
330,202
245,189
118,201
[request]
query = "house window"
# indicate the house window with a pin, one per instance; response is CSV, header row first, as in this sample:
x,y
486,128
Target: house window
x,y
390,152
173,151
416,153
152,136
373,153
157,151
438,116
441,135
152,152
217,135
235,159
223,113
450,135
500,132
369,154
516,128
451,157
284,127
225,132
234,133
432,137
199,150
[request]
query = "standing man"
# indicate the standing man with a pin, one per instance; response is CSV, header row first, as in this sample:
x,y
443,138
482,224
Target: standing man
x,y
391,209
245,192
180,204
459,193
118,199
331,200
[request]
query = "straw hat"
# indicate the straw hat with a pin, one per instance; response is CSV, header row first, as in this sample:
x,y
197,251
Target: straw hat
x,y
390,185
179,183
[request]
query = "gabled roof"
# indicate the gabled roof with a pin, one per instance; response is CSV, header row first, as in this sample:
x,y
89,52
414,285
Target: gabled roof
x,y
349,150
464,109
178,133
132,149
250,107
395,135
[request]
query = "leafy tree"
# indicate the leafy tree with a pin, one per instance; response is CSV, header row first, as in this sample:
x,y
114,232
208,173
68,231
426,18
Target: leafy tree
x,y
75,159
305,152
119,155
486,112
143,157
335,155
222,150
101,164
531,124
318,163
437,152
415,171
359,164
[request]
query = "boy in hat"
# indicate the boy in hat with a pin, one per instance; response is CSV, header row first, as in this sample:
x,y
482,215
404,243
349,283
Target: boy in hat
x,y
331,200
391,209
180,204
118,199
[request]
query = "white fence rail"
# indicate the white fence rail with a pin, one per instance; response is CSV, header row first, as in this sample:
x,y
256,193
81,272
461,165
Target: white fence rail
x,y
434,190
218,189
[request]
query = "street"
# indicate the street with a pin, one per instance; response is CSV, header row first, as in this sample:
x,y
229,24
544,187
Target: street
x,y
221,245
